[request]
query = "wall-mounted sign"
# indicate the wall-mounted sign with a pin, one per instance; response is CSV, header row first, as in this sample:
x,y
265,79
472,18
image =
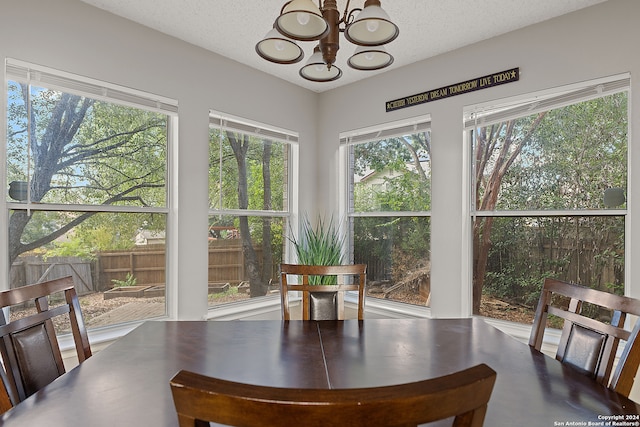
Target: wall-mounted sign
x,y
484,82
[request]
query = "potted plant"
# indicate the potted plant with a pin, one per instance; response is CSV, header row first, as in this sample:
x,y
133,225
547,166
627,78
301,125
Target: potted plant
x,y
320,245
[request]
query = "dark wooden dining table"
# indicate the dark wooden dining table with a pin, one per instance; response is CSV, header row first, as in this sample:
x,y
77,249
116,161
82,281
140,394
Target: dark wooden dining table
x,y
127,384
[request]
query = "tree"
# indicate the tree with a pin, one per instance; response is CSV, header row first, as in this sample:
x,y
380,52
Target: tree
x,y
394,177
241,145
562,159
77,150
267,253
496,148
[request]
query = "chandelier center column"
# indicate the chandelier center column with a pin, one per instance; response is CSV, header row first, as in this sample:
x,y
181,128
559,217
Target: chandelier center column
x,y
330,44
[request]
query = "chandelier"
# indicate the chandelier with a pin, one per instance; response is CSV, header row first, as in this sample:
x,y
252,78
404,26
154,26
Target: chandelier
x,y
302,20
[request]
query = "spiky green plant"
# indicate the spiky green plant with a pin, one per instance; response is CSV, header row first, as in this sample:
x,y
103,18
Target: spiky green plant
x,y
321,245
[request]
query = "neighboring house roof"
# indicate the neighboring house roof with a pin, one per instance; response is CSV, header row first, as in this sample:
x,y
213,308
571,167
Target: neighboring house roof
x,y
147,237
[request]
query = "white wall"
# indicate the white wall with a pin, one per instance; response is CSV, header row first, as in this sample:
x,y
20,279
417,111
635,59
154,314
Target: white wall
x,y
591,43
71,36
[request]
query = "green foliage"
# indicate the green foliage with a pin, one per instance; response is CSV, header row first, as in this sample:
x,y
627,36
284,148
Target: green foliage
x,y
395,174
519,289
406,193
109,150
575,153
402,244
392,175
70,248
248,172
104,232
233,290
319,245
82,151
130,280
223,172
392,153
615,288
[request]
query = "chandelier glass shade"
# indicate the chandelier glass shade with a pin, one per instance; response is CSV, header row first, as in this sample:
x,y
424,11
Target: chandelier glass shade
x,y
317,70
372,27
370,58
280,49
303,20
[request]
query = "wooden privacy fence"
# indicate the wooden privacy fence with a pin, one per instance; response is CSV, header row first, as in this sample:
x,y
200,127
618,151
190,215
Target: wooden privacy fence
x,y
144,263
147,264
27,270
378,269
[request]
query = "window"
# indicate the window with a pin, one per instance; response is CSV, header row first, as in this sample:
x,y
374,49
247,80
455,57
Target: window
x,y
248,207
389,188
86,167
549,179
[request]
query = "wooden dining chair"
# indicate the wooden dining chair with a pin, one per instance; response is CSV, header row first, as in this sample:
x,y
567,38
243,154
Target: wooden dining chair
x,y
463,395
31,356
323,301
5,400
587,344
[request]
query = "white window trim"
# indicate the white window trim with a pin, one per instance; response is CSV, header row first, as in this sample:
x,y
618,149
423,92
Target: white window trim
x,y
51,78
267,303
362,136
260,130
25,72
577,92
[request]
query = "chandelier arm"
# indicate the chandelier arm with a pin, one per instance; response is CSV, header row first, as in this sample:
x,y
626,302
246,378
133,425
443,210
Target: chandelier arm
x,y
348,16
345,13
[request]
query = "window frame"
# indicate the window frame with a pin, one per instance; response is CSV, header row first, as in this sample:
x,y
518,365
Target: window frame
x,y
348,139
66,82
242,125
527,104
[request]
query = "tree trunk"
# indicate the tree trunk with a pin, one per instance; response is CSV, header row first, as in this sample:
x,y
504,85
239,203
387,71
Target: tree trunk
x,y
267,253
55,149
481,247
66,118
509,143
257,286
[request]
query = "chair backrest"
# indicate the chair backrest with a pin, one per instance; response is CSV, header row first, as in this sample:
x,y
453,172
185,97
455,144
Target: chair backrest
x,y
319,301
31,356
588,344
5,400
463,395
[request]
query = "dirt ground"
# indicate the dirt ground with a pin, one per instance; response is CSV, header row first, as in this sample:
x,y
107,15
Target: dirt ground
x,y
497,309
94,305
490,307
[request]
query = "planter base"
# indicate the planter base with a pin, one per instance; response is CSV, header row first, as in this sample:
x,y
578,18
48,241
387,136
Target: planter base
x,y
125,291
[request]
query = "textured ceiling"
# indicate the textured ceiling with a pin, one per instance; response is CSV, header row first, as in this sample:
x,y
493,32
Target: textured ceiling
x,y
427,27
